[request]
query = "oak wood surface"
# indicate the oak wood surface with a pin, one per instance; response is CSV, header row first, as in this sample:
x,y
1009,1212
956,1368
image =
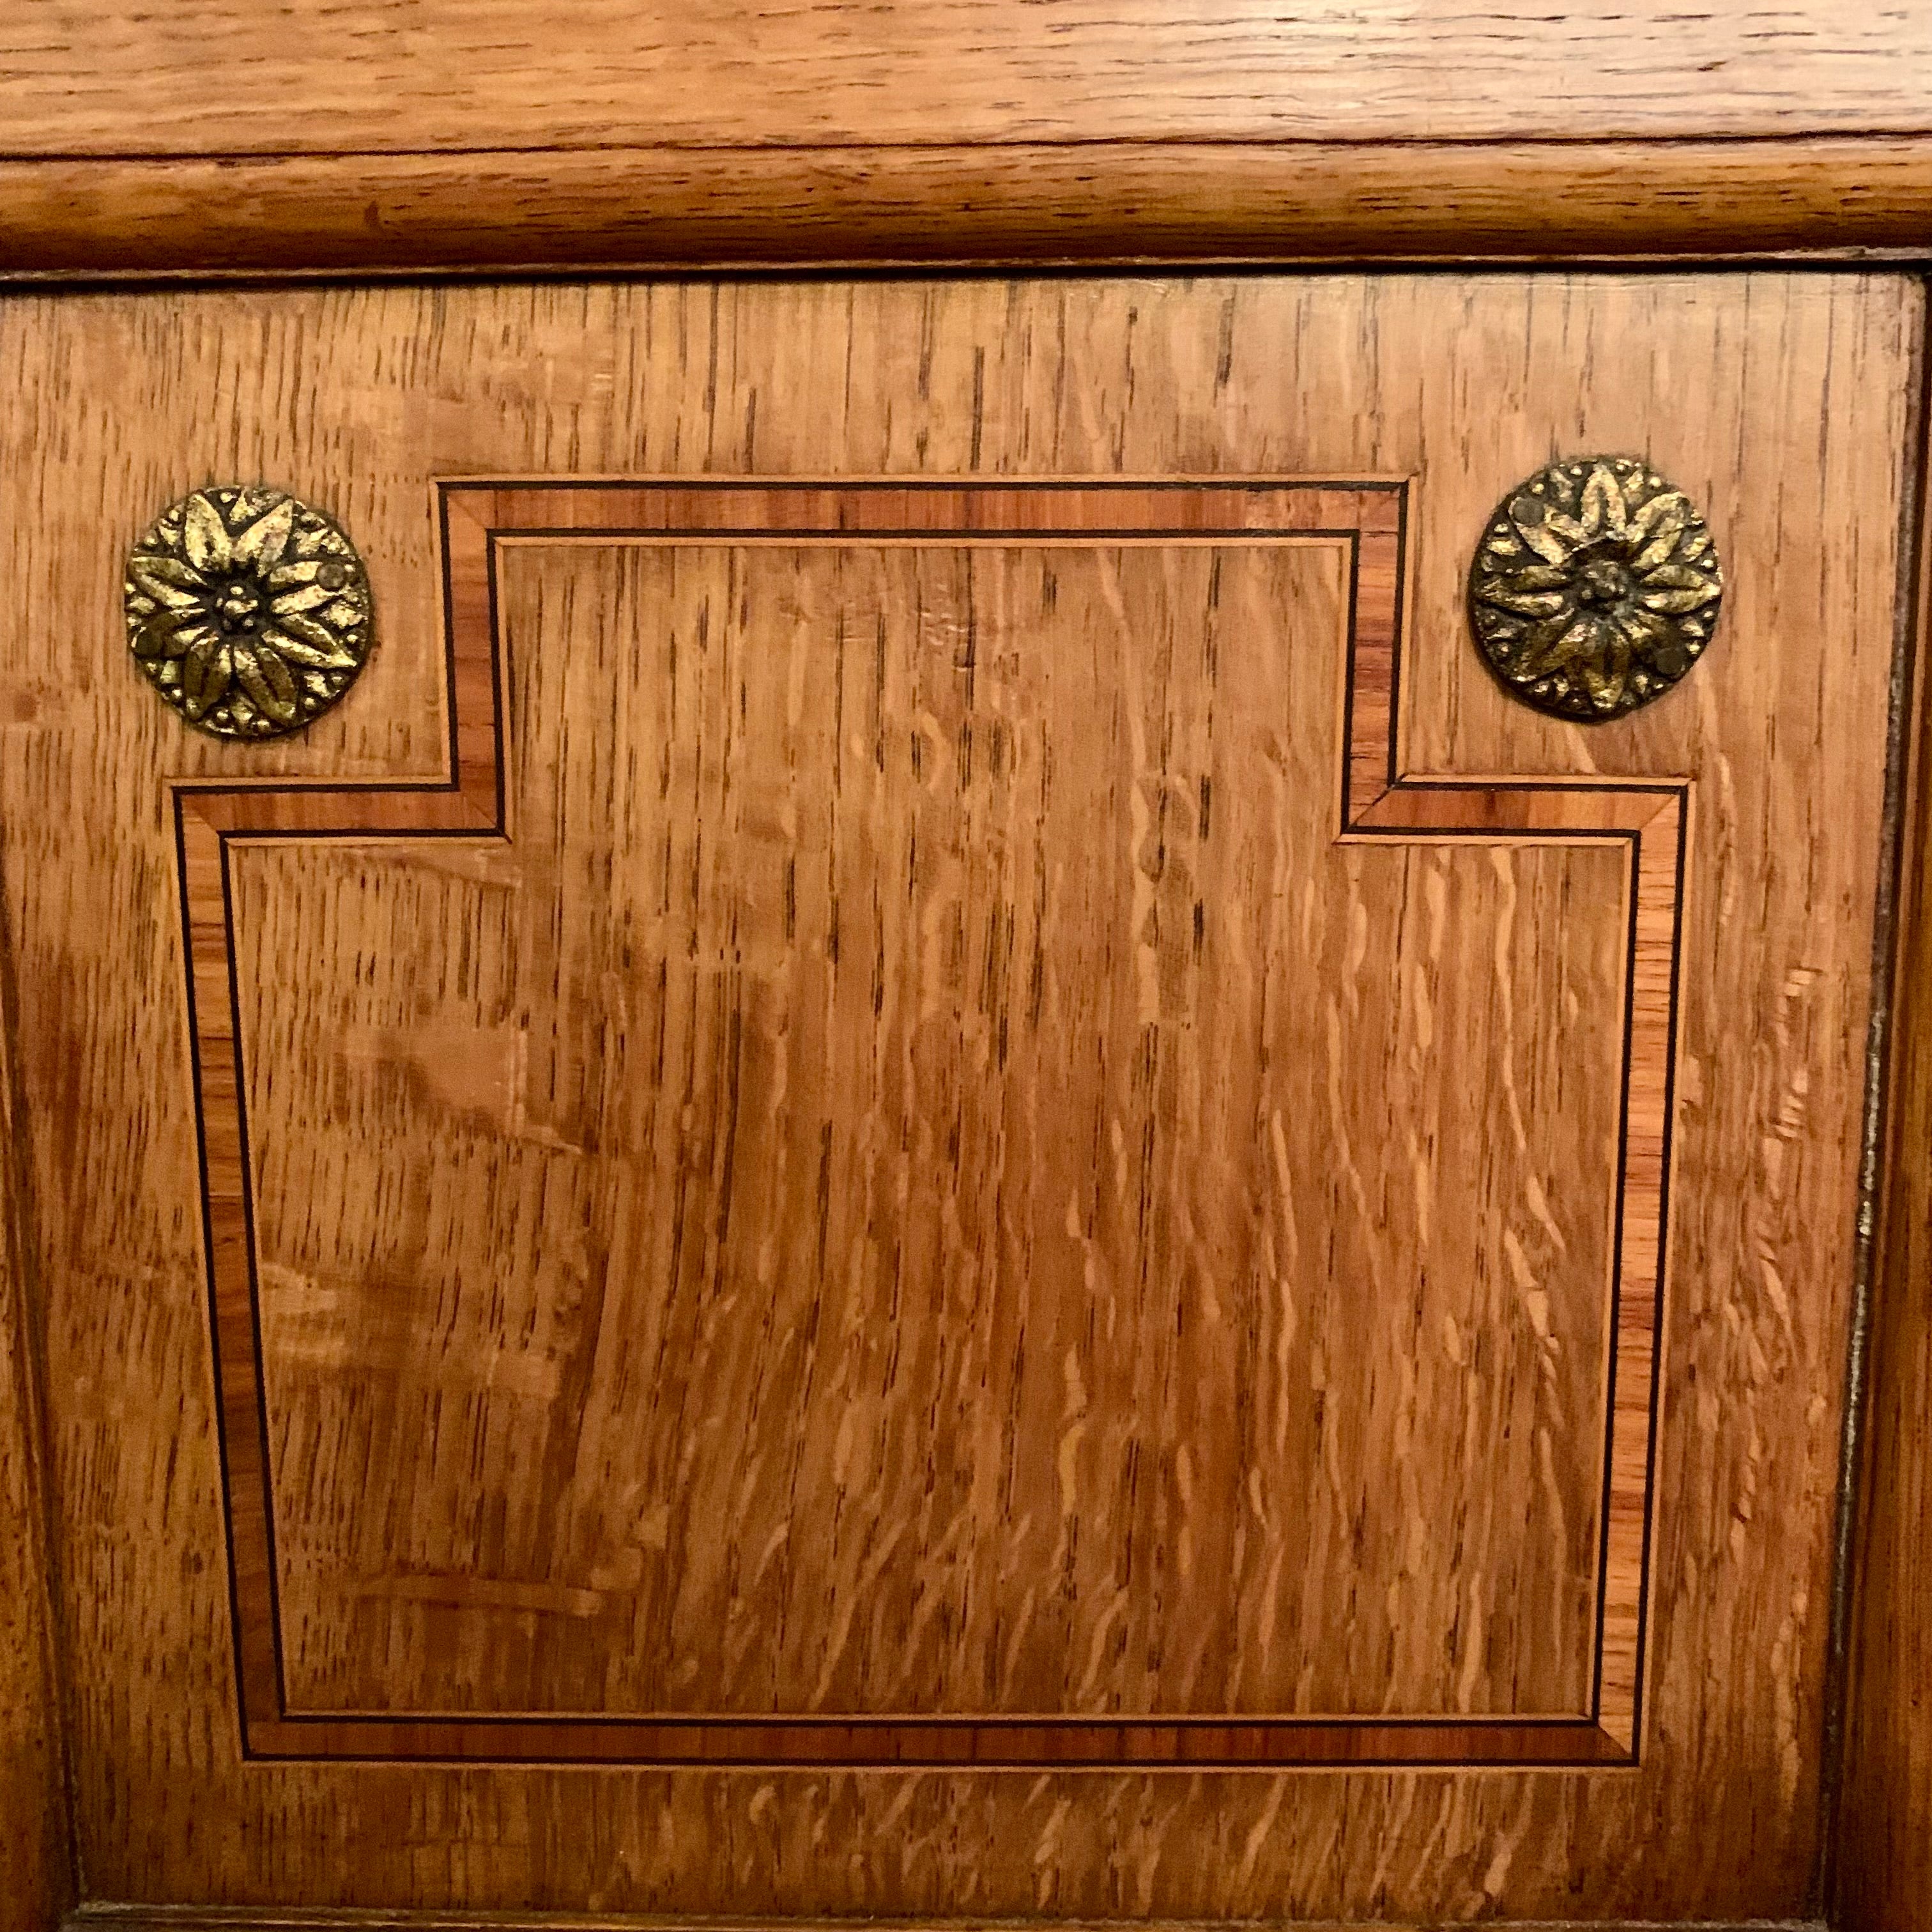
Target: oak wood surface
x,y
36,1870
215,137
474,1625
359,400
100,1918
997,203
1883,1858
99,76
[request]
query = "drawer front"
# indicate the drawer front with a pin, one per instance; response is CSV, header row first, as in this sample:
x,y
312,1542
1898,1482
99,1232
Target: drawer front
x,y
926,1161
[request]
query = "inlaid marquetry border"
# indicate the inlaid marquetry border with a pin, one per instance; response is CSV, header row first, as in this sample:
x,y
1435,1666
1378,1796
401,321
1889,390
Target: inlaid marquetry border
x,y
1376,803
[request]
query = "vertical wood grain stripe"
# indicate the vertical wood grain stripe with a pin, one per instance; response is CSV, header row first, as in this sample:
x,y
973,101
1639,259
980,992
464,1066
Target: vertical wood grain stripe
x,y
1378,802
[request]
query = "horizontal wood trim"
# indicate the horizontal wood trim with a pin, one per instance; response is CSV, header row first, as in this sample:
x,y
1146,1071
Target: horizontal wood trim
x,y
99,76
668,208
107,1918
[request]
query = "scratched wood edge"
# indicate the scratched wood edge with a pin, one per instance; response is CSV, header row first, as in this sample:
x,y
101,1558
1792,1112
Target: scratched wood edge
x,y
1378,800
1875,1858
103,1916
1042,205
37,1877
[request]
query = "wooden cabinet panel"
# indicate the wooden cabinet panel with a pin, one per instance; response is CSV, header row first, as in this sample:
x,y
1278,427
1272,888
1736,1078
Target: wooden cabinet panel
x,y
927,1085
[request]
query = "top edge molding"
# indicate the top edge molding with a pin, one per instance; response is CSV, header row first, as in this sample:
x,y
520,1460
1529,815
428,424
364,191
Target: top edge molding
x,y
508,211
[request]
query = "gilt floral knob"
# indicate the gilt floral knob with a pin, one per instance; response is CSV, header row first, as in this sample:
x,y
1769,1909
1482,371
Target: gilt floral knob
x,y
248,610
1595,588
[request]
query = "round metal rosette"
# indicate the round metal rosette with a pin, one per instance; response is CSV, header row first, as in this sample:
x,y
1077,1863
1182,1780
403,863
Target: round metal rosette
x,y
1595,588
248,610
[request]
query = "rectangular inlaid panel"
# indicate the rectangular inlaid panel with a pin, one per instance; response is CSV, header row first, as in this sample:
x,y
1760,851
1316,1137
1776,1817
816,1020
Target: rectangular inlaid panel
x,y
851,1163
928,1167
769,1224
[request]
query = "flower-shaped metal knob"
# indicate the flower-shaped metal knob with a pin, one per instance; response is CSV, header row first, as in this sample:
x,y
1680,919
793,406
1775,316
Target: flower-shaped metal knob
x,y
1595,588
248,610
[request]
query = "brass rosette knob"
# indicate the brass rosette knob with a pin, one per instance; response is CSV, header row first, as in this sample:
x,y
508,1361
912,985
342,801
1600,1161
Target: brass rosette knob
x,y
1596,586
248,610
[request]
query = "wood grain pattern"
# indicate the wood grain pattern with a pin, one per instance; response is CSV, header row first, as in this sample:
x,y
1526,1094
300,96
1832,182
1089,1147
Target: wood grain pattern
x,y
1883,1860
203,1918
217,1918
36,1866
1777,400
419,1612
995,204
217,76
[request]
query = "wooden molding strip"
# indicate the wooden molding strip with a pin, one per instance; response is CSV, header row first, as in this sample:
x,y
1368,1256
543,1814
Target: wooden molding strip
x,y
1067,206
99,1917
